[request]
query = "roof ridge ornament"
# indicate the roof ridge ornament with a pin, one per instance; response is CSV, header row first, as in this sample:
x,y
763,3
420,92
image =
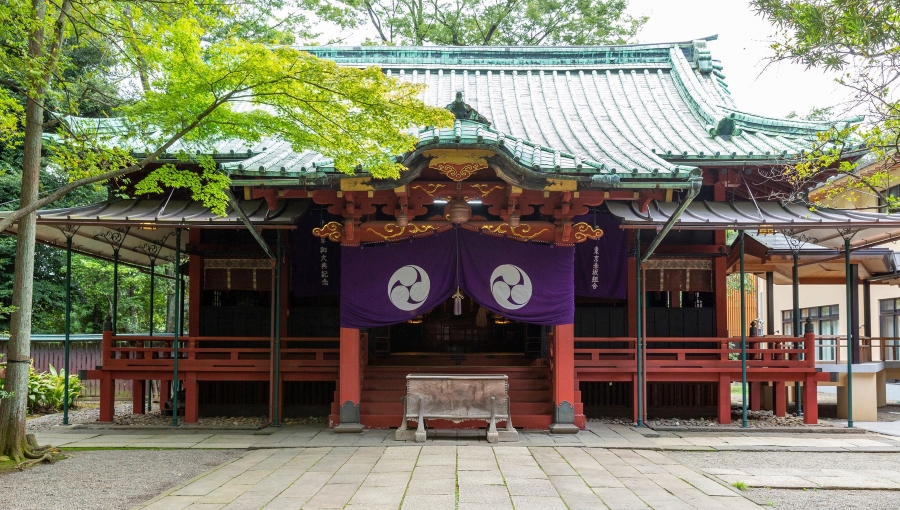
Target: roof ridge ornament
x,y
462,111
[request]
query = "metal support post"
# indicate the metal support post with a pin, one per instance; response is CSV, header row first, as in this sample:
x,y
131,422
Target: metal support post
x,y
640,381
798,328
849,334
152,298
68,328
178,311
743,339
276,421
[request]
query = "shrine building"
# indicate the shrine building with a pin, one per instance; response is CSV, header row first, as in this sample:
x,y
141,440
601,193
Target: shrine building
x,y
568,231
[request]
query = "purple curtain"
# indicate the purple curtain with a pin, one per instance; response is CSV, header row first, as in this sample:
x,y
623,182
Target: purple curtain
x,y
388,284
522,281
315,262
600,265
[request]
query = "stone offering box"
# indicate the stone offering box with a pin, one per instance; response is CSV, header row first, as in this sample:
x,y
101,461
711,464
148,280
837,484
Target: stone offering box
x,y
457,398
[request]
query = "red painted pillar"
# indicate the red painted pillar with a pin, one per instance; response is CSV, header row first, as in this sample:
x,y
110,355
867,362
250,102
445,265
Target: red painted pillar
x,y
191,398
634,397
138,396
632,298
564,379
349,388
195,286
724,399
107,398
810,401
163,393
721,293
755,396
780,397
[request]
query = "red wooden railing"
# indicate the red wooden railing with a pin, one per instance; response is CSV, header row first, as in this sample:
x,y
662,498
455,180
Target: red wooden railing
x,y
674,354
214,353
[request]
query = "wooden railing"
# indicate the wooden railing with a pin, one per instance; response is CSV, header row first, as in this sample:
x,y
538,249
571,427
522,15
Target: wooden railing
x,y
833,349
216,353
664,354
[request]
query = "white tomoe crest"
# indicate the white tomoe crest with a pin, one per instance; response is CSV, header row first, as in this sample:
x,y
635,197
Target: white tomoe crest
x,y
510,286
408,287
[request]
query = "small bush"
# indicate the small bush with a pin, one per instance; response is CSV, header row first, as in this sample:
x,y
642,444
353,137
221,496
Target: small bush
x,y
741,486
46,390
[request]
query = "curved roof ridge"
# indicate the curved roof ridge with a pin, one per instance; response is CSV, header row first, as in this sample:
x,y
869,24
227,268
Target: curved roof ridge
x,y
782,125
693,93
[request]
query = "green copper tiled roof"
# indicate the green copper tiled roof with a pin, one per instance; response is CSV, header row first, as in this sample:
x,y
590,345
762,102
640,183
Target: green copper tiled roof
x,y
639,110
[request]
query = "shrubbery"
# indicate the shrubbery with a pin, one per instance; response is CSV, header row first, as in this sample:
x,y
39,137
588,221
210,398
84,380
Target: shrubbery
x,y
46,390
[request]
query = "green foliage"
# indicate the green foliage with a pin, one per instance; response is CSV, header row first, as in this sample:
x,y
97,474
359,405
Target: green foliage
x,y
46,390
486,22
861,40
741,486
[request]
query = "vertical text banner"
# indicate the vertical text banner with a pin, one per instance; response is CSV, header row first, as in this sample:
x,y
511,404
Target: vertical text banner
x,y
315,262
601,269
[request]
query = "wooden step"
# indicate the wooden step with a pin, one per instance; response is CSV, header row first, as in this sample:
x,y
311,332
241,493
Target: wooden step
x,y
396,408
515,395
526,421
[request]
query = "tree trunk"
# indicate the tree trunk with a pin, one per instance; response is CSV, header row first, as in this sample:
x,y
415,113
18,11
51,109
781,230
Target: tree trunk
x,y
13,440
12,410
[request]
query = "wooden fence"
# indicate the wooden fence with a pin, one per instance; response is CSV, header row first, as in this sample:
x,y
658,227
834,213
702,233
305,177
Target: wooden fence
x,y
83,355
734,307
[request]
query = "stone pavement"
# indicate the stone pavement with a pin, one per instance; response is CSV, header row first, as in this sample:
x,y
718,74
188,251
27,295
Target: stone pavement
x,y
438,477
597,435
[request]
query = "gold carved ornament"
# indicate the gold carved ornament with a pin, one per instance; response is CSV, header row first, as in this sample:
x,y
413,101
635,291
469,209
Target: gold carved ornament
x,y
457,172
522,231
331,231
393,231
431,188
486,189
583,232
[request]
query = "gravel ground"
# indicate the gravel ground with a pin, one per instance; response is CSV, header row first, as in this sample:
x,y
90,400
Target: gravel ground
x,y
804,499
106,479
124,417
84,415
824,500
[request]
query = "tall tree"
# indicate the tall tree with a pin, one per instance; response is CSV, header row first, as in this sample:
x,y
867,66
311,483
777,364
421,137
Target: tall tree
x,y
193,72
861,40
485,22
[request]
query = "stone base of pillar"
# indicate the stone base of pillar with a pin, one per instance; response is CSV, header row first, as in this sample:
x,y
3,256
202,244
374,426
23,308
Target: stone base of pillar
x,y
564,419
349,428
349,416
563,428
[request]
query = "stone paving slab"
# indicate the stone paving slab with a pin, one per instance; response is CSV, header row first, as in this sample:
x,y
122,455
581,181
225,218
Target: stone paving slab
x,y
596,435
407,477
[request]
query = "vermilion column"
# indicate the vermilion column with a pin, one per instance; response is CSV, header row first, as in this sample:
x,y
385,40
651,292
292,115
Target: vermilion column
x,y
564,380
138,396
349,387
724,399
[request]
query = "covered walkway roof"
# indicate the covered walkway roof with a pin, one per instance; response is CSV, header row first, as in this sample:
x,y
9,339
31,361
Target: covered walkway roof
x,y
772,253
143,228
823,227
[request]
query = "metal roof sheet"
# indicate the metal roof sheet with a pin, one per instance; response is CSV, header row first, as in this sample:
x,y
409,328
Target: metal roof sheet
x,y
150,224
823,226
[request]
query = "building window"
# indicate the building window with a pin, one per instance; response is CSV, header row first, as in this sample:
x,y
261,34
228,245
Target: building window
x,y
890,326
825,323
824,319
893,191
